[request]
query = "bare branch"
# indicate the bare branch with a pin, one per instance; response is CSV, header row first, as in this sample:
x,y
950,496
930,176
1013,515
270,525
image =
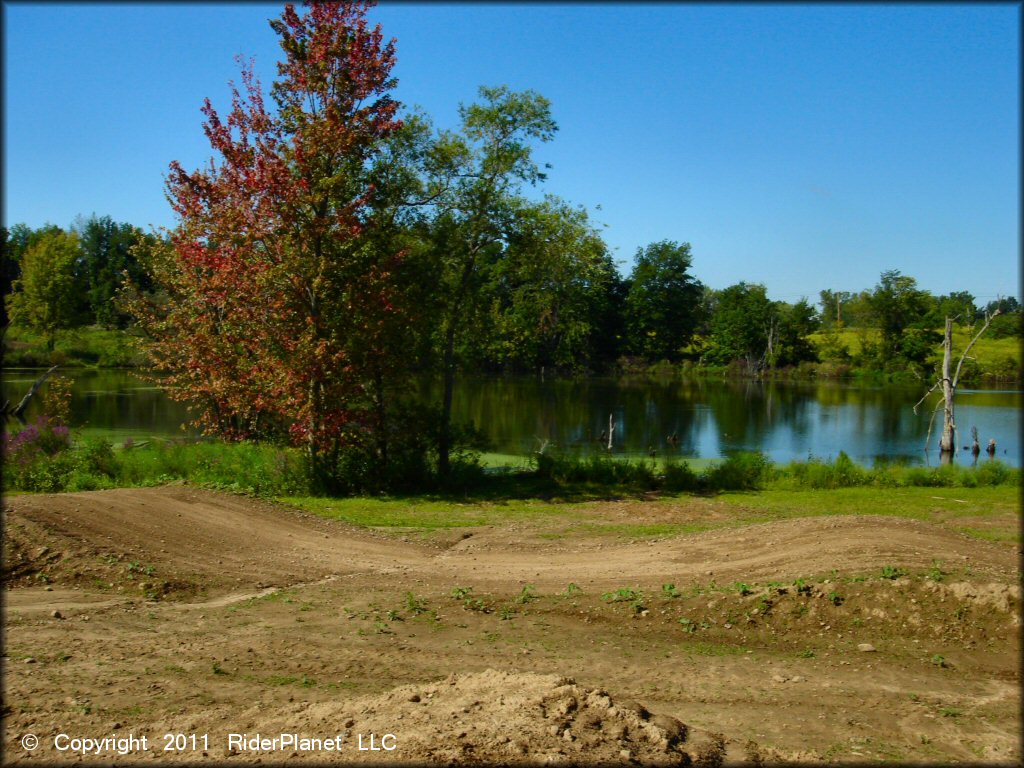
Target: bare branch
x,y
935,386
988,322
18,412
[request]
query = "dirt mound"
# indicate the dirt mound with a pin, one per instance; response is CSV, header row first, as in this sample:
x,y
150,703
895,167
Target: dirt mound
x,y
505,717
180,541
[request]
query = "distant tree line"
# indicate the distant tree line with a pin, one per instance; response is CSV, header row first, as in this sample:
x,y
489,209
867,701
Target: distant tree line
x,y
550,300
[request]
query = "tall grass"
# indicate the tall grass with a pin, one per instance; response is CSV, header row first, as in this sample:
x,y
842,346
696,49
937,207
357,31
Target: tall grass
x,y
268,470
95,464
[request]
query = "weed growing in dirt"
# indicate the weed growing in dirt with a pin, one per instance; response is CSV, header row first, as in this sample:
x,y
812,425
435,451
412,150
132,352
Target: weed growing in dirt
x,y
572,589
218,669
806,654
622,595
743,589
935,573
415,605
689,625
892,573
715,649
136,567
629,595
470,603
950,712
835,598
527,595
939,661
669,591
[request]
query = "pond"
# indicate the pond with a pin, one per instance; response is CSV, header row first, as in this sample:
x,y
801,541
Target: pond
x,y
704,419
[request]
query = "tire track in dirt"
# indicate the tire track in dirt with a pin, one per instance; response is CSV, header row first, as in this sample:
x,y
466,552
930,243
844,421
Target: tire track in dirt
x,y
238,546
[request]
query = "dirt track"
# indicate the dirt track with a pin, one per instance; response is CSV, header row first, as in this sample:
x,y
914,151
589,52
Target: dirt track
x,y
182,610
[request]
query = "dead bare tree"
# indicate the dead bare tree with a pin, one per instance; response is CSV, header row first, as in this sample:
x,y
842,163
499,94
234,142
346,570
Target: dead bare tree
x,y
948,383
18,411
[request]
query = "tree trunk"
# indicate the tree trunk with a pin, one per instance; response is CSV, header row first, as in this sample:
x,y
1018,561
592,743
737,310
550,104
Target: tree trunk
x,y
444,441
313,449
947,441
611,429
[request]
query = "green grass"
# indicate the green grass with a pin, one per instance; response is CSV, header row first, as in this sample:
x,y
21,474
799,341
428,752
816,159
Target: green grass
x,y
991,356
426,514
89,346
912,503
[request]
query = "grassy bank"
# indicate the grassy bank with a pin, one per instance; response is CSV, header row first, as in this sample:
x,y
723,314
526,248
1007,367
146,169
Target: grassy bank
x,y
44,458
76,348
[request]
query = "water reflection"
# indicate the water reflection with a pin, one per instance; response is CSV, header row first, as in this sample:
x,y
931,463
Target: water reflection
x,y
672,418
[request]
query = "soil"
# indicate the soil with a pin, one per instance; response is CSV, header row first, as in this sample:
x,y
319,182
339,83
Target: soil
x,y
174,610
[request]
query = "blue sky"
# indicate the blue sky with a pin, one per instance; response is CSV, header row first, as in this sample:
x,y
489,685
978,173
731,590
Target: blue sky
x,y
802,146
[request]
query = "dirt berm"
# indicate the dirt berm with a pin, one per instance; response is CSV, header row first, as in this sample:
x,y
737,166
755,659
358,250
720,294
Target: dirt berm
x,y
210,622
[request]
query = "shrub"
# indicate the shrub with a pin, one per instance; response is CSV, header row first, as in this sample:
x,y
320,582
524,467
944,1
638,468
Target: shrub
x,y
739,472
679,478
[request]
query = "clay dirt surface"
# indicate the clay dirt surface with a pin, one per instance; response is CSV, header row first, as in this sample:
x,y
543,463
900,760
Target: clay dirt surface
x,y
231,630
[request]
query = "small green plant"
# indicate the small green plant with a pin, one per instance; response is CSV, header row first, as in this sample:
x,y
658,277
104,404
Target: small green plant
x,y
460,593
527,595
136,567
892,573
476,604
802,587
950,712
935,573
939,661
835,598
687,624
218,669
765,605
960,612
743,589
507,613
622,595
669,591
572,589
807,653
415,605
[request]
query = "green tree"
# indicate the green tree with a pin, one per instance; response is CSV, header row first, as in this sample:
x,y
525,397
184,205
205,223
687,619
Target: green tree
x,y
901,312
477,174
108,258
832,305
45,296
958,305
796,322
547,288
663,303
16,241
741,326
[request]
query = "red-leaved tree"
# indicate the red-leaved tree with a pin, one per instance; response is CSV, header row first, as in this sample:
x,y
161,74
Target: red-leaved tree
x,y
276,305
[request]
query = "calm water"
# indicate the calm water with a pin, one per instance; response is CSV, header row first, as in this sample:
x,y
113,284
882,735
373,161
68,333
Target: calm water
x,y
710,418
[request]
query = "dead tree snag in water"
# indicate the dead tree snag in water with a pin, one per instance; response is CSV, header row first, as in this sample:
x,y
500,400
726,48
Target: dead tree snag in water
x,y
948,385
